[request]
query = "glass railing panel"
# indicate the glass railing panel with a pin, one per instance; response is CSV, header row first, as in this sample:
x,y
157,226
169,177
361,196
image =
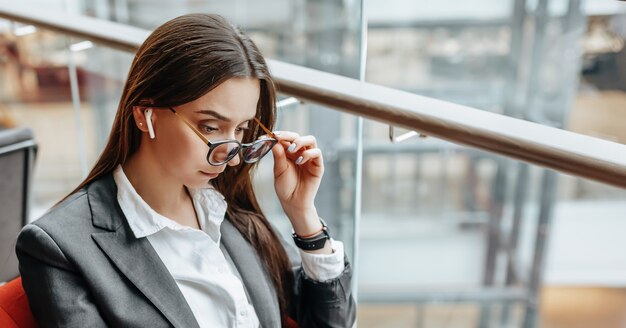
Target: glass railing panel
x,y
517,58
319,34
106,70
443,223
549,62
278,37
430,200
101,71
38,92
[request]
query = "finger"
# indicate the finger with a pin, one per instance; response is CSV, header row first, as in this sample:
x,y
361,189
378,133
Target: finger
x,y
314,156
280,159
285,145
303,142
286,135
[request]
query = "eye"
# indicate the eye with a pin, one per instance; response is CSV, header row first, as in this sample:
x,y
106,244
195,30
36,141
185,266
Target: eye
x,y
207,129
242,129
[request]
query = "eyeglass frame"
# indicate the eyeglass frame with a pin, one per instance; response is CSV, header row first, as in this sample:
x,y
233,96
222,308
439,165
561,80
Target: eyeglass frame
x,y
242,146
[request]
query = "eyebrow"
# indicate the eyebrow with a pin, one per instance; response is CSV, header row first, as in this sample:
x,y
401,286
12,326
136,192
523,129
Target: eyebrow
x,y
214,114
218,115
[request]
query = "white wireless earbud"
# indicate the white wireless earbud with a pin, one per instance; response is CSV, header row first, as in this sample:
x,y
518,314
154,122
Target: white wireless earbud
x,y
149,122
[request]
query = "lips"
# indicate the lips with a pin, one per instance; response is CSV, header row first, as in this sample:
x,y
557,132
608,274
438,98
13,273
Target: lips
x,y
210,175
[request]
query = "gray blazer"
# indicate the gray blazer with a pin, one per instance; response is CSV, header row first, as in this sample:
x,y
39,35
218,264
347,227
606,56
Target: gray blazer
x,y
81,266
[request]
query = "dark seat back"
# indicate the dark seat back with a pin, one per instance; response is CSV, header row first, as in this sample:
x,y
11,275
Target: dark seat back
x,y
17,154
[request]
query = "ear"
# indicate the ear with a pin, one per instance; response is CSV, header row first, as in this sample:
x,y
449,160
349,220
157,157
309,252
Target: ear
x,y
141,120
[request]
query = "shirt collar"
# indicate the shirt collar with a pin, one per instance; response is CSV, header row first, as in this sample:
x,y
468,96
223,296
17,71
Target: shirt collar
x,y
209,203
210,207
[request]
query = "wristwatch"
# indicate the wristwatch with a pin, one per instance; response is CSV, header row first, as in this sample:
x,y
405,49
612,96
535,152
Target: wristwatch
x,y
313,243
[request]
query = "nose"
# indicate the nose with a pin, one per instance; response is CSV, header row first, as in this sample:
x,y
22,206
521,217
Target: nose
x,y
235,160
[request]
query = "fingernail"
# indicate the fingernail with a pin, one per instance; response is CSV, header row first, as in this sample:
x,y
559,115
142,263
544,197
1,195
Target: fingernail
x,y
291,148
277,132
299,160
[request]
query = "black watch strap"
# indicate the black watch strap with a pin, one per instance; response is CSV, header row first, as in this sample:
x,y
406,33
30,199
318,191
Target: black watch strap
x,y
315,242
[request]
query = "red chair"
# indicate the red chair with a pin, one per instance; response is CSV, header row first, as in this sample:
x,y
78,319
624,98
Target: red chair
x,y
291,323
14,308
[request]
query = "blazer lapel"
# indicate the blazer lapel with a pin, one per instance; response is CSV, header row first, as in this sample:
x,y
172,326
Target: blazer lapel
x,y
135,258
257,282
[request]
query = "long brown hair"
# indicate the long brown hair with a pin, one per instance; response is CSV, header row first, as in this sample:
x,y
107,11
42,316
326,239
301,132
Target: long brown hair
x,y
179,62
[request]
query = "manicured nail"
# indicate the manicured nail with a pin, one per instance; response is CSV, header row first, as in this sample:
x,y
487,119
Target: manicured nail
x,y
291,148
277,132
299,160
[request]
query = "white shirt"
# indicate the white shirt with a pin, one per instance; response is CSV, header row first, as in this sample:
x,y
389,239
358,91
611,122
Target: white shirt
x,y
208,281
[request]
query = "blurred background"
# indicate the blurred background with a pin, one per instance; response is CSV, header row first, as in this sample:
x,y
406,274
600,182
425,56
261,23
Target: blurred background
x,y
448,236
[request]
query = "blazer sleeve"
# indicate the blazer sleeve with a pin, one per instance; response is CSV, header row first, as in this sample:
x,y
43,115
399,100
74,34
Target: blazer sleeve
x,y
320,304
57,295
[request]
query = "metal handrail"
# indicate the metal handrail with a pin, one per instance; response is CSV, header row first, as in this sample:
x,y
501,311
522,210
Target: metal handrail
x,y
564,151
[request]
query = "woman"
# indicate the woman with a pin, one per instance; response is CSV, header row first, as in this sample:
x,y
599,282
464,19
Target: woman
x,y
166,229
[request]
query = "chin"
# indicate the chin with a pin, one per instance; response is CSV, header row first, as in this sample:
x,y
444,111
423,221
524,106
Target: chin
x,y
199,181
196,184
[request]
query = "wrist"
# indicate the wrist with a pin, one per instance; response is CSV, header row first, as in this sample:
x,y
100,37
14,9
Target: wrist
x,y
305,222
316,242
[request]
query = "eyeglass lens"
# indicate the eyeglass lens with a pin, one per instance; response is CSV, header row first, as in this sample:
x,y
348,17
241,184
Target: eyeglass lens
x,y
224,152
257,150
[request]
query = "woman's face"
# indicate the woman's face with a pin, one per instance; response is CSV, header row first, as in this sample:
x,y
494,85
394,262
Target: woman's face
x,y
226,112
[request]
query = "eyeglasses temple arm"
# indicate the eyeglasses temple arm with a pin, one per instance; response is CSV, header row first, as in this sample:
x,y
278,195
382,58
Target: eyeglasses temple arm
x,y
206,141
270,133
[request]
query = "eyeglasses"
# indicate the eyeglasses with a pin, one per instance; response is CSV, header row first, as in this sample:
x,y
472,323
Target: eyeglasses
x,y
221,152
